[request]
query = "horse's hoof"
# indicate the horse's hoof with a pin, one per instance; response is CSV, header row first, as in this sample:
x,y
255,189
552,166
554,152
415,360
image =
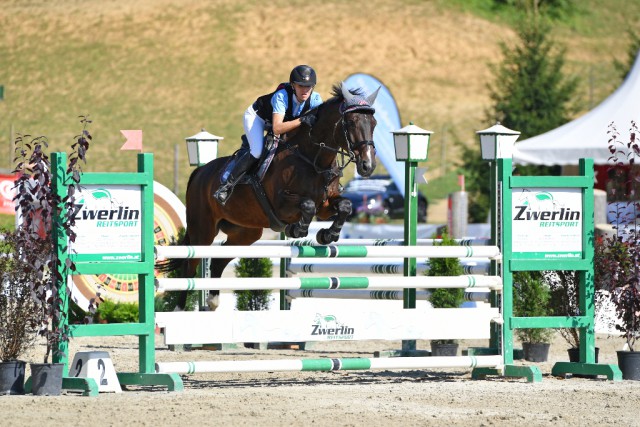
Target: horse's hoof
x,y
295,232
213,302
325,237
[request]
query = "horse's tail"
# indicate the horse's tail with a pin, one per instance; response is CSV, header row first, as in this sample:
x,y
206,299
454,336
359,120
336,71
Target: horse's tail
x,y
175,264
172,265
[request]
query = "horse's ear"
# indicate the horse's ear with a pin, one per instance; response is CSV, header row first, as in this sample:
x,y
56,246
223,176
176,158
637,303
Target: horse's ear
x,y
372,98
346,94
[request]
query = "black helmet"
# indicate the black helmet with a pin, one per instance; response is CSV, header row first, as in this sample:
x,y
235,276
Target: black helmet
x,y
303,75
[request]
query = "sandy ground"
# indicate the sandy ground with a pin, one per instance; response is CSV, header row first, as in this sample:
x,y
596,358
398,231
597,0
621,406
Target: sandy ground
x,y
347,398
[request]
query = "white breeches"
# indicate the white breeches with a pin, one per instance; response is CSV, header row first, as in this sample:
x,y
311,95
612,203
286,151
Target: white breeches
x,y
254,129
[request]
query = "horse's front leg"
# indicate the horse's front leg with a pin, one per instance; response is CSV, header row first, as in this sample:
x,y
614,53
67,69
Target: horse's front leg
x,y
326,236
301,228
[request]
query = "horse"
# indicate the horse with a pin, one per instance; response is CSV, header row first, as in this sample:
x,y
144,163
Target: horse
x,y
302,182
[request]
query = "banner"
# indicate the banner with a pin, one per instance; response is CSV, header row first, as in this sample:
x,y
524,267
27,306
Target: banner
x,y
7,193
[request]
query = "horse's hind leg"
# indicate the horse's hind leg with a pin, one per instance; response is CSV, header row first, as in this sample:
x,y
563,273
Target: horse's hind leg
x,y
301,228
326,236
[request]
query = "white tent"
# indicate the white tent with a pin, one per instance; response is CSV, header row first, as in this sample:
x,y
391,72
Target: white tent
x,y
587,135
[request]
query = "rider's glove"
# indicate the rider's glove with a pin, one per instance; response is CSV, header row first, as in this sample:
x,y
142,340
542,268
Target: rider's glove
x,y
308,119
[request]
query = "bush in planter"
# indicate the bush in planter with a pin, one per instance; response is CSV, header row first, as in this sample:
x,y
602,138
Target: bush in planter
x,y
253,300
45,216
444,297
564,286
530,299
19,314
617,257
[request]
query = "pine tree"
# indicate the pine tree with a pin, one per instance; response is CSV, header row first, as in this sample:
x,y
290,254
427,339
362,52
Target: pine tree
x,y
530,94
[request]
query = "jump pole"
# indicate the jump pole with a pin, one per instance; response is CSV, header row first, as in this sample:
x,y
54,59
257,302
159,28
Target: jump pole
x,y
330,364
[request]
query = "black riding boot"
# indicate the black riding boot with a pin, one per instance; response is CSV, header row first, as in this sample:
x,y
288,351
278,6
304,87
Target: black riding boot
x,y
234,171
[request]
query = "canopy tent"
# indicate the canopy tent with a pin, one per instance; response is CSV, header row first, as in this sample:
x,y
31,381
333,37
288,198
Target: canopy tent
x,y
586,136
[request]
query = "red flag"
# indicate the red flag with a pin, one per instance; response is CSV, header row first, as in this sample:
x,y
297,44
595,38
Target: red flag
x,y
134,140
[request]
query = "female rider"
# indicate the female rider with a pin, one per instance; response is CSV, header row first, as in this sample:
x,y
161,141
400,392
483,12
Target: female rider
x,y
282,110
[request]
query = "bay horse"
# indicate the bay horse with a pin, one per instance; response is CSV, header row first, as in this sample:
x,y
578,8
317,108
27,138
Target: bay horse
x,y
302,181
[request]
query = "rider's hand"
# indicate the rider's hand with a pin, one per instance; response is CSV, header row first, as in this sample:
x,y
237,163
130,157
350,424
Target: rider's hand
x,y
308,119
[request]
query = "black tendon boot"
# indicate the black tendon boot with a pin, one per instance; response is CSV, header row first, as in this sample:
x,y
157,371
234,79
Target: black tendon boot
x,y
234,171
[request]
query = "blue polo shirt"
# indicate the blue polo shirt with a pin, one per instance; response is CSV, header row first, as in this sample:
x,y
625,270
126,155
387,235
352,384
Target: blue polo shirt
x,y
280,100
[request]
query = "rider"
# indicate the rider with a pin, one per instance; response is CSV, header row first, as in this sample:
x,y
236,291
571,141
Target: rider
x,y
282,110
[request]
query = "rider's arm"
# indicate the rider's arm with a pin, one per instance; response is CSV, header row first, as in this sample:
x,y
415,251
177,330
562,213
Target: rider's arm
x,y
280,126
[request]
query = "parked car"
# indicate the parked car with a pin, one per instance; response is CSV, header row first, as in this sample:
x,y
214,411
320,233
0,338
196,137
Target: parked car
x,y
379,194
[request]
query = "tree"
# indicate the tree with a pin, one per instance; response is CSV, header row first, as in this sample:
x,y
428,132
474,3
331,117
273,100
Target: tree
x,y
530,94
624,67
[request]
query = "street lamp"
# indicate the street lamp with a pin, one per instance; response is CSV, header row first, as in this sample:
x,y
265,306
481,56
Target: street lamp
x,y
497,142
412,146
411,143
202,148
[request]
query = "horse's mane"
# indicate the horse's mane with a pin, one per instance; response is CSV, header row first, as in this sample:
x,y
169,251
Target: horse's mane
x,y
337,97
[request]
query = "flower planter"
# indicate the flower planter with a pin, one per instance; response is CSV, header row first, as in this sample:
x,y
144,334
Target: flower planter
x,y
629,364
46,379
536,351
12,377
444,349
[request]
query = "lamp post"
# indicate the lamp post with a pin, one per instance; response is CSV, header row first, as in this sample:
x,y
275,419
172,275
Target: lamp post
x,y
202,147
497,143
411,146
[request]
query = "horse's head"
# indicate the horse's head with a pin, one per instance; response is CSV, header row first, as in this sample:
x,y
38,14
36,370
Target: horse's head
x,y
358,124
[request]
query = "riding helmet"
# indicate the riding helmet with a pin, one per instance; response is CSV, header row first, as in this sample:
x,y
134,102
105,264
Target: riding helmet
x,y
303,75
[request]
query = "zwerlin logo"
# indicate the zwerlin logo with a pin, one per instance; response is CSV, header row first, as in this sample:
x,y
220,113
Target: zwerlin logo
x,y
329,327
541,206
100,206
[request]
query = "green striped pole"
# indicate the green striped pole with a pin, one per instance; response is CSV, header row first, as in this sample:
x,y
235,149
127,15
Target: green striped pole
x,y
333,251
328,364
376,282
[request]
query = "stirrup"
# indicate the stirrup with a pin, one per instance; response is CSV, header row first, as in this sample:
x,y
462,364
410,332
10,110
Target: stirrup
x,y
222,194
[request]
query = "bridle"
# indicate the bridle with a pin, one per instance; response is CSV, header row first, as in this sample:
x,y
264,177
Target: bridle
x,y
351,109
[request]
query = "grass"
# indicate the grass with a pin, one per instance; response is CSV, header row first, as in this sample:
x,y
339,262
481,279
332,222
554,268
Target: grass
x,y
7,221
174,68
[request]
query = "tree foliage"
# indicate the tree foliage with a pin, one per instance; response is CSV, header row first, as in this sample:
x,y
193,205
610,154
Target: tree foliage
x,y
531,94
624,67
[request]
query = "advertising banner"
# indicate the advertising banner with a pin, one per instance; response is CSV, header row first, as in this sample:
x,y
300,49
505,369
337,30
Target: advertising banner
x,y
547,223
7,193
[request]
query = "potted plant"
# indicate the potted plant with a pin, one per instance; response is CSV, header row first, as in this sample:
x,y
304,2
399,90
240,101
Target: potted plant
x,y
445,297
44,216
530,299
564,288
254,300
617,257
19,314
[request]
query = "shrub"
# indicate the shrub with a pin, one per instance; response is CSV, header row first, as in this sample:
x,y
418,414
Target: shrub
x,y
445,297
253,300
117,312
530,299
617,258
20,315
